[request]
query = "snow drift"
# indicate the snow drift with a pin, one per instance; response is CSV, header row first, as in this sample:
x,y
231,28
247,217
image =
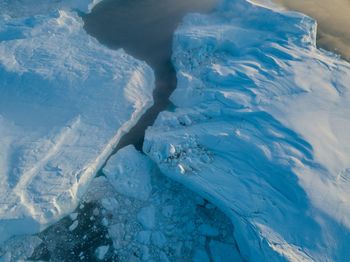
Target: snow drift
x,y
261,129
65,101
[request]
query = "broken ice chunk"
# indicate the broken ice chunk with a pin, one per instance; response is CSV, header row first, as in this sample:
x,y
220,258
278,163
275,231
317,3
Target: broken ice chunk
x,y
146,217
101,252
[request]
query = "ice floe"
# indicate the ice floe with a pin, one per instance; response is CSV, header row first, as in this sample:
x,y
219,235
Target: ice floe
x,y
261,129
65,101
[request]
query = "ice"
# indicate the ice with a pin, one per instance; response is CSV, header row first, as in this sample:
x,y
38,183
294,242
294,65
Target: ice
x,y
200,256
25,8
65,102
208,230
19,248
147,217
101,252
74,225
144,237
73,216
222,252
166,226
158,239
163,257
110,203
261,130
130,178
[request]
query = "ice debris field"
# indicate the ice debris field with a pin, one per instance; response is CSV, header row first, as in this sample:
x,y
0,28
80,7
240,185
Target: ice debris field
x,y
260,130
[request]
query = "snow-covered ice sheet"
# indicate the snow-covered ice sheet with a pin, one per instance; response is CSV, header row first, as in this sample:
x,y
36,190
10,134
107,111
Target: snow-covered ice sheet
x,y
262,129
65,101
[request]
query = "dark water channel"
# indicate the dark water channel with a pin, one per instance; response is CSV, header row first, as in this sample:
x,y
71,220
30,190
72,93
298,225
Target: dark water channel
x,y
144,29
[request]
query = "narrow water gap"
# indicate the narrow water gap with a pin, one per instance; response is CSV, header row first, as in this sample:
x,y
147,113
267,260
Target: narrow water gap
x,y
144,29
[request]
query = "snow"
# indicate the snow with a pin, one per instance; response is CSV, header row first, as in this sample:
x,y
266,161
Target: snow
x,y
65,102
261,130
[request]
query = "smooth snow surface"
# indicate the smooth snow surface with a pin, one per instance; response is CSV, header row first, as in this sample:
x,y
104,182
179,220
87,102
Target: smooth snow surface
x,y
65,101
262,130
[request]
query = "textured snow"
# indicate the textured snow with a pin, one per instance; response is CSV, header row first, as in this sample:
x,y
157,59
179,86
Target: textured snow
x,y
65,101
262,130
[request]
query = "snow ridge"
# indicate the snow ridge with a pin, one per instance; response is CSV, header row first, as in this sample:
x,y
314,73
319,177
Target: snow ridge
x,y
260,129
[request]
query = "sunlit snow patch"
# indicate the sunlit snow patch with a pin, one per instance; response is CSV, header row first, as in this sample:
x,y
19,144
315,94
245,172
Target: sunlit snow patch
x,y
65,101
